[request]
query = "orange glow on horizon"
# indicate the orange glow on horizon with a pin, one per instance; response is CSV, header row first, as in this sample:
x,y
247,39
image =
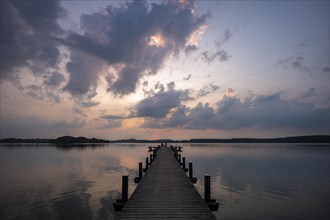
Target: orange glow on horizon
x,y
132,123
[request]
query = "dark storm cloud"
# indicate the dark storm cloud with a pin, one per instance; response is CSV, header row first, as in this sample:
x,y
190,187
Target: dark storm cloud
x,y
82,68
159,104
263,112
26,31
177,119
134,39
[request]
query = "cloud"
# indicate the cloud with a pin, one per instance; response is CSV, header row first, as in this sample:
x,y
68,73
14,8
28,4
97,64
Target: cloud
x,y
79,111
160,103
81,67
111,117
54,80
110,121
134,39
34,91
230,92
221,54
176,119
190,48
295,62
187,78
26,31
306,94
227,35
207,90
263,112
301,44
21,127
326,69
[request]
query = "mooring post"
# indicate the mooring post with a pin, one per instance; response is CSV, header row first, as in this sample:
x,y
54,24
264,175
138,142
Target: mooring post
x,y
138,179
184,164
207,187
154,153
211,203
140,170
190,171
179,158
147,164
124,193
151,159
119,204
193,179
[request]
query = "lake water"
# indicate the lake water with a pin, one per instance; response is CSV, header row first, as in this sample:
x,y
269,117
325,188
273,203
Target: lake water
x,y
251,181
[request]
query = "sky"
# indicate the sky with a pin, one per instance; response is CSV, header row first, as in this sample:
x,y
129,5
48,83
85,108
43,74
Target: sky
x,y
164,69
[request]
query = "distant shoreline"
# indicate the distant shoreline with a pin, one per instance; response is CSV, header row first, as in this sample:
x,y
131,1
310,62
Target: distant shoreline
x,y
82,140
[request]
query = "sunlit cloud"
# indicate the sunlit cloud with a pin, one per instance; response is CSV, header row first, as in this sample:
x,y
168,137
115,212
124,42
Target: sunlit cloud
x,y
230,92
157,40
197,35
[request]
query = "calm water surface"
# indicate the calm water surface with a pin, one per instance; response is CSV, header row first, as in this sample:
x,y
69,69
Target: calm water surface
x,y
251,181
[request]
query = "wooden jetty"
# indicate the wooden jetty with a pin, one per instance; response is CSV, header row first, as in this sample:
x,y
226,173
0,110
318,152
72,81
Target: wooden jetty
x,y
165,192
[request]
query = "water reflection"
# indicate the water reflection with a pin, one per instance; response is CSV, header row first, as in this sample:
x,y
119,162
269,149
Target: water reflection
x,y
259,181
265,179
62,182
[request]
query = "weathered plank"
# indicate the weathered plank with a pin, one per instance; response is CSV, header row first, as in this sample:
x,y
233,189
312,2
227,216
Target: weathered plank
x,y
165,192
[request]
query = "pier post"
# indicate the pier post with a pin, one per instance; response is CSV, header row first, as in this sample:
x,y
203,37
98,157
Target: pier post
x,y
147,164
154,153
184,164
211,203
151,159
124,193
140,170
179,158
193,179
119,204
207,187
138,179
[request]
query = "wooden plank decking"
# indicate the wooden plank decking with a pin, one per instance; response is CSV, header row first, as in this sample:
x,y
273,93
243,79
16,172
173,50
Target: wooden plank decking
x,y
165,192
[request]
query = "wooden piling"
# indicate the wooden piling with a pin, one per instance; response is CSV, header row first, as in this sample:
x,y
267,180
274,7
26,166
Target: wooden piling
x,y
184,164
151,159
138,179
207,187
191,177
211,203
147,164
120,203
